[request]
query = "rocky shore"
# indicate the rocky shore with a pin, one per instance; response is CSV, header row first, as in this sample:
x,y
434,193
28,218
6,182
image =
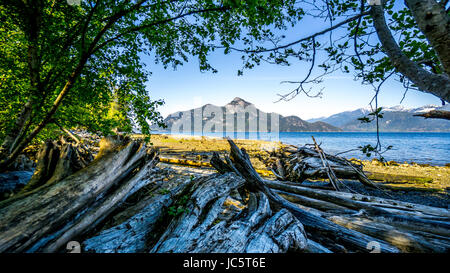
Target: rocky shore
x,y
410,182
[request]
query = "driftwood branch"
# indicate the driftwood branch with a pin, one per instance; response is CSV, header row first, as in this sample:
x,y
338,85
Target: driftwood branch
x,y
315,225
319,212
435,114
52,214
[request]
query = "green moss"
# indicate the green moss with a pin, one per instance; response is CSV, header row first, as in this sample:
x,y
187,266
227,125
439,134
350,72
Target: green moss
x,y
179,207
164,191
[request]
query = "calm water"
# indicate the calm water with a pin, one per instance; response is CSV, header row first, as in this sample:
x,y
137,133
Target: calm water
x,y
431,148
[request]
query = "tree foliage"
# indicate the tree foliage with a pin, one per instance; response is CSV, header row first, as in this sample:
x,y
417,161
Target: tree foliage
x,y
81,65
354,43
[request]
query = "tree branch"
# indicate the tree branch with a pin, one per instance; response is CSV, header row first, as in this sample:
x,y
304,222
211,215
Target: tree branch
x,y
353,18
141,27
435,114
438,85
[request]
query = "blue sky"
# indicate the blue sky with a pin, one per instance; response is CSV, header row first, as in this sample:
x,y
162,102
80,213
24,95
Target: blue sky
x,y
187,87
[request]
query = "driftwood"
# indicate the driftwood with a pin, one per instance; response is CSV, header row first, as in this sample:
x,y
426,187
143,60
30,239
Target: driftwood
x,y
331,196
209,214
12,182
435,114
318,227
53,214
121,202
219,220
405,240
315,209
131,228
55,161
297,164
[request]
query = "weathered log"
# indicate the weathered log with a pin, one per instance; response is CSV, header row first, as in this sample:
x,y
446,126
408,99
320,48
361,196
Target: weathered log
x,y
314,203
46,161
304,163
314,247
132,227
407,242
38,220
313,224
98,212
203,215
216,222
56,161
350,199
219,165
404,219
11,182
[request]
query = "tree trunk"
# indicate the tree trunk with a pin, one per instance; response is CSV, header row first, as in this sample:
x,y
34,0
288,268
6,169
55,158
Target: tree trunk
x,y
403,240
434,22
304,163
315,225
420,227
211,214
435,114
66,208
436,84
18,129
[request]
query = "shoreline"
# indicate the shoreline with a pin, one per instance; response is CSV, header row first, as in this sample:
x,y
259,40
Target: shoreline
x,y
388,162
253,132
198,149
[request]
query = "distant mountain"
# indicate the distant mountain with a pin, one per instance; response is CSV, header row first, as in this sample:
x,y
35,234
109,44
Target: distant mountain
x,y
342,118
395,119
248,115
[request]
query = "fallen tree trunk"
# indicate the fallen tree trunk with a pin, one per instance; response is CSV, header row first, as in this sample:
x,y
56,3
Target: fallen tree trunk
x,y
210,214
132,227
418,228
53,214
318,227
55,161
314,203
405,241
435,114
359,201
299,164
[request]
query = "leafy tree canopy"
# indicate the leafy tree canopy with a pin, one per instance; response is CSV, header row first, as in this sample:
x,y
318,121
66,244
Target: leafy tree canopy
x,y
80,64
412,48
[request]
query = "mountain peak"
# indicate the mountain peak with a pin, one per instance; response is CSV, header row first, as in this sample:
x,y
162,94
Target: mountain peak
x,y
240,101
252,116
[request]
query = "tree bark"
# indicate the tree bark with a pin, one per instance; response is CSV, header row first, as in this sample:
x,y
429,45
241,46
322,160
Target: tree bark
x,y
435,114
64,209
314,225
436,84
434,22
405,241
209,214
